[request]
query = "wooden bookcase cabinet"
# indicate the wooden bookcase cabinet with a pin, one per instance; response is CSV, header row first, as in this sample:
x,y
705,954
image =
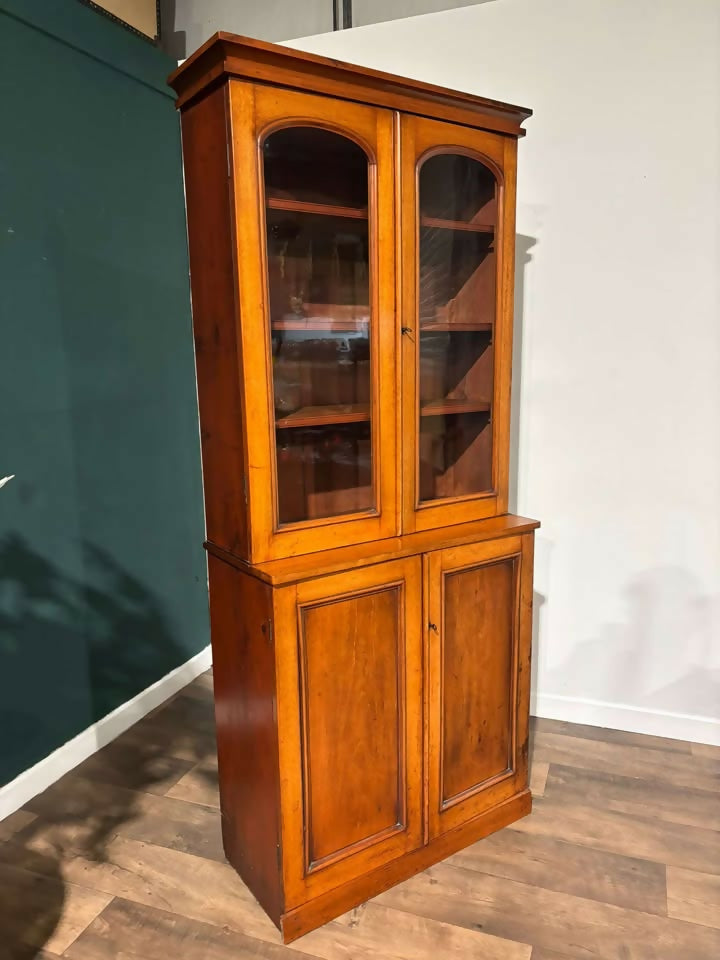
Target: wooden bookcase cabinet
x,y
351,242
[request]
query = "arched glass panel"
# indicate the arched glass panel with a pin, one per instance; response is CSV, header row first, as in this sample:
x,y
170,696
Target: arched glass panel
x,y
456,303
318,253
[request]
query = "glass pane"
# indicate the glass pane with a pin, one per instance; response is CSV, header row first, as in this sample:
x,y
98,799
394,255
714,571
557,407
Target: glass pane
x,y
458,204
316,192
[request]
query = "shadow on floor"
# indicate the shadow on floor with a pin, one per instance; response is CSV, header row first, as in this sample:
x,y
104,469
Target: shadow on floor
x,y
114,623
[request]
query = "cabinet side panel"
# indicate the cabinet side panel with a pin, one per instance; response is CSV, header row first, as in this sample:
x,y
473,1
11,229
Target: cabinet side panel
x,y
212,277
247,737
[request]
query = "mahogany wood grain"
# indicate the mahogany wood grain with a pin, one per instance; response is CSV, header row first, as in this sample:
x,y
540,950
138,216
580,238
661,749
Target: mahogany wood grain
x,y
211,232
355,686
322,209
227,54
255,112
477,634
476,667
241,611
419,138
350,715
295,569
370,619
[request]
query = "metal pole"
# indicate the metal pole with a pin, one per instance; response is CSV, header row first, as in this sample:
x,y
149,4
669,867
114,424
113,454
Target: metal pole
x,y
342,14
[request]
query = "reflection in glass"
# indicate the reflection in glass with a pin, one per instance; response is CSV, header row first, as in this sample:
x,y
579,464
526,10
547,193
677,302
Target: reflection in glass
x,y
456,307
316,192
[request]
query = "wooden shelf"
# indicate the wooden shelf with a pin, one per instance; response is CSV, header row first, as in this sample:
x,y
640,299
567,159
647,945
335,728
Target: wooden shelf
x,y
439,223
326,415
323,209
321,324
439,408
447,326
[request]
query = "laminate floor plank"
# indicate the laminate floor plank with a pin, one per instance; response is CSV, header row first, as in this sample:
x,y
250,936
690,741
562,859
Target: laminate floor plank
x,y
146,766
139,932
706,750
15,822
538,778
630,836
651,799
144,873
381,933
685,770
42,912
549,920
82,812
694,896
199,785
569,868
586,732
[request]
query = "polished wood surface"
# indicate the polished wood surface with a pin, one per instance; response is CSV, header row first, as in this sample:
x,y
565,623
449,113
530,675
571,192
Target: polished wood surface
x,y
294,569
247,735
218,361
349,669
226,54
420,138
478,636
119,861
254,113
352,278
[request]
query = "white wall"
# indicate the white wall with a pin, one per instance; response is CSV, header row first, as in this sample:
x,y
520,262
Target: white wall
x,y
619,323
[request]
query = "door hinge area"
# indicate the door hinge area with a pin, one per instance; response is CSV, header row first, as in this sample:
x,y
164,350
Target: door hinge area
x,y
245,488
278,853
267,629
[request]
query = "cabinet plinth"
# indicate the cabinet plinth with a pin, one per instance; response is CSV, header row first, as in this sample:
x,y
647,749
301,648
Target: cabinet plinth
x,y
351,239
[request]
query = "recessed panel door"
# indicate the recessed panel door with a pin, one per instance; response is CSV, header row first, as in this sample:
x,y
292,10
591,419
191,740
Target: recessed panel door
x,y
349,667
478,654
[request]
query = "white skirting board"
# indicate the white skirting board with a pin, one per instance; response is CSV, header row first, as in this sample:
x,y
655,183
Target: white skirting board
x,y
37,778
620,716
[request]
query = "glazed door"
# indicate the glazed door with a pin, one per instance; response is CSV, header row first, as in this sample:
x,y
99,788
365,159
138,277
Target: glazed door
x,y
457,236
478,654
314,196
349,672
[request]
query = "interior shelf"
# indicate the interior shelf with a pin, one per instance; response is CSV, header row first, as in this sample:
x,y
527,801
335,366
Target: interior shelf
x,y
448,326
438,408
326,415
467,226
324,209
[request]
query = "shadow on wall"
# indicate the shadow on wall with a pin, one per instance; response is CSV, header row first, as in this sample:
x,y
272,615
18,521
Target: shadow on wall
x,y
523,256
120,629
637,659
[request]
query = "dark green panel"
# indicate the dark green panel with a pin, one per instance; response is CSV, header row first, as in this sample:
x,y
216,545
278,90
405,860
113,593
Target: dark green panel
x,y
102,573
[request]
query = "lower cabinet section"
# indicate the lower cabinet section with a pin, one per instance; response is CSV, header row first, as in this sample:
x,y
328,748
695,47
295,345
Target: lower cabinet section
x,y
370,721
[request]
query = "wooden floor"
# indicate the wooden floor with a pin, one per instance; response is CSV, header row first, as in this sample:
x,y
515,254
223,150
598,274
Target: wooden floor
x,y
620,860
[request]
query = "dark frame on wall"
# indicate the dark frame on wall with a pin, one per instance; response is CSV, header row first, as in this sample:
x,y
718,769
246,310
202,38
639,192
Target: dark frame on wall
x,y
123,23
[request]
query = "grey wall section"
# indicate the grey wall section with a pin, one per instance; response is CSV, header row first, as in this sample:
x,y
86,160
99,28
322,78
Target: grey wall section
x,y
186,24
102,572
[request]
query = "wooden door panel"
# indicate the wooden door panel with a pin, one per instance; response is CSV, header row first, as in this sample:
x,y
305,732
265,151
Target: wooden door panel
x,y
352,695
477,684
479,615
349,667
